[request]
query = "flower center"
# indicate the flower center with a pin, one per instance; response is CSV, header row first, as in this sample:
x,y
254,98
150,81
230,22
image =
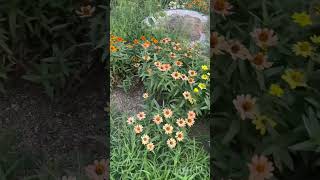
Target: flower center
x,y
247,106
304,47
235,48
263,36
168,128
219,5
258,60
99,169
260,168
296,77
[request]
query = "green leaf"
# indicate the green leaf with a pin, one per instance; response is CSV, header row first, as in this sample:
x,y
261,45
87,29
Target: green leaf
x,y
233,130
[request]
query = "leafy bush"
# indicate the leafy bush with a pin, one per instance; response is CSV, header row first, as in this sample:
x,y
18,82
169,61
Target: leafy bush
x,y
266,97
43,41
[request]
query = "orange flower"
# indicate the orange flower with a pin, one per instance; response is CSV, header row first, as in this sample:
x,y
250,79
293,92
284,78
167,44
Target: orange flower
x,y
141,115
191,80
136,41
181,123
190,122
264,37
143,38
168,129
191,115
154,40
120,39
179,135
167,113
175,75
113,49
146,45
157,119
138,128
192,73
178,63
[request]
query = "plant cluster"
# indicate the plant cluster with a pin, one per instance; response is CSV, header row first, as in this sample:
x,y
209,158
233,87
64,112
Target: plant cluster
x,y
42,41
267,73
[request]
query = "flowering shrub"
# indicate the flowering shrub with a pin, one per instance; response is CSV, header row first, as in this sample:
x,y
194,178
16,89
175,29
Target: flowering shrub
x,y
177,76
266,98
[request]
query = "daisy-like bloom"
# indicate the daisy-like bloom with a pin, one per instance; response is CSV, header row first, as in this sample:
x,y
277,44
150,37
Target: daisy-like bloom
x,y
167,113
168,128
188,54
136,65
172,55
166,67
221,7
260,168
68,178
196,90
276,90
146,45
146,57
98,170
204,67
157,63
150,146
154,40
315,39
262,122
141,115
204,77
178,63
245,105
136,41
162,68
202,86
294,78
303,48
138,128
177,47
176,75
189,122
86,11
113,48
180,122
130,120
165,40
191,80
158,48
120,39
237,50
145,95
171,143
260,61
179,136
186,95
145,139
303,19
143,38
217,43
184,77
157,119
264,37
191,115
192,73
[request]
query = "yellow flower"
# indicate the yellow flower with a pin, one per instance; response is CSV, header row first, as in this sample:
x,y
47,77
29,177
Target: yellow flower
x,y
315,39
276,90
262,122
202,86
303,48
204,67
294,78
303,19
195,90
205,77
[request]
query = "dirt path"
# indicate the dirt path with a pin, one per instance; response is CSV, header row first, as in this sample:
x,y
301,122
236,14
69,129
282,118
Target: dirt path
x,y
54,128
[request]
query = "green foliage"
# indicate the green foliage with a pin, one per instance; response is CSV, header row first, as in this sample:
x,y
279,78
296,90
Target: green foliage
x,y
44,41
189,161
294,138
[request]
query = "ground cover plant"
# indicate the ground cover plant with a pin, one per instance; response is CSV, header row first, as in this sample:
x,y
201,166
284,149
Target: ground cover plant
x,y
175,76
266,96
